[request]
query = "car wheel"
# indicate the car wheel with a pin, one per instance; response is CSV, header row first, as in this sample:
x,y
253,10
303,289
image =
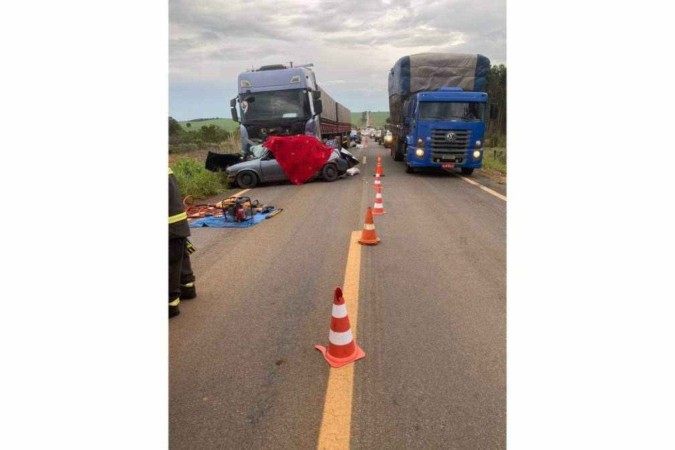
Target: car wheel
x,y
466,171
329,172
247,180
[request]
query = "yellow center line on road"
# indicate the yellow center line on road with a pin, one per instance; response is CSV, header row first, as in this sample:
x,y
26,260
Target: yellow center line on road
x,y
486,189
337,409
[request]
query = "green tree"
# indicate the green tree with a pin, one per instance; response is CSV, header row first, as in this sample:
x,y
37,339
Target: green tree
x,y
496,90
174,127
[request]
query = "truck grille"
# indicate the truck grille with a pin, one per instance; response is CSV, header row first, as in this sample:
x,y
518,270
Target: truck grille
x,y
458,145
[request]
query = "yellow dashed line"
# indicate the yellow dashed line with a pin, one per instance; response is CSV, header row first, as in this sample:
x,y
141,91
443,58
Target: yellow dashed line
x,y
337,409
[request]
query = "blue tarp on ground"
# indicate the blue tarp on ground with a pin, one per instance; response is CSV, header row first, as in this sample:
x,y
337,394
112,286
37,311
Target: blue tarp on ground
x,y
220,222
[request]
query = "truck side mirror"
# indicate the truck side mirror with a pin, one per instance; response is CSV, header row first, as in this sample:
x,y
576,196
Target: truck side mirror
x,y
318,106
233,109
316,95
494,111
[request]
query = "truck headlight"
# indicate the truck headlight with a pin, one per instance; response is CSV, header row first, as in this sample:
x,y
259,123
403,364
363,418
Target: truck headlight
x,y
387,138
478,143
420,142
419,152
476,154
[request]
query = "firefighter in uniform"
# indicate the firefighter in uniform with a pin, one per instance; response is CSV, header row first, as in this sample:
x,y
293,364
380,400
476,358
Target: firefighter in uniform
x,y
181,278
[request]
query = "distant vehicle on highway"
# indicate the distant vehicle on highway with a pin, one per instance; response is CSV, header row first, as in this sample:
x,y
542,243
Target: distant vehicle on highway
x,y
262,167
355,137
387,139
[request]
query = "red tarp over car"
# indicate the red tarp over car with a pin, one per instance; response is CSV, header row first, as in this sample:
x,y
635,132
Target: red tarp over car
x,y
299,156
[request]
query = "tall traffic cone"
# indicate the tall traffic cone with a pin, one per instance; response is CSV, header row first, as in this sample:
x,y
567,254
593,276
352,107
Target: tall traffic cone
x,y
368,235
378,208
342,349
378,168
377,184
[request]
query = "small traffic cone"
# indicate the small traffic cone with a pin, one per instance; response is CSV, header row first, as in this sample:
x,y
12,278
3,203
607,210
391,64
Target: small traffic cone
x,y
378,208
342,349
368,235
378,168
377,184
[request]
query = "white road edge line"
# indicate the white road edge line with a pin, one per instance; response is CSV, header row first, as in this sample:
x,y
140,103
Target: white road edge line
x,y
240,192
486,189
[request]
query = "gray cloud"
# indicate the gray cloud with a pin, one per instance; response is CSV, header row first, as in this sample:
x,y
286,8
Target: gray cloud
x,y
352,41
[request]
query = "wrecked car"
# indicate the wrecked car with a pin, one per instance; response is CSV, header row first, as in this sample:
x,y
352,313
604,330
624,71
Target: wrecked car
x,y
262,167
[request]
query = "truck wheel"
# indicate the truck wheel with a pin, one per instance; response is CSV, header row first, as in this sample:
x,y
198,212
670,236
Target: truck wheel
x,y
329,172
398,153
466,171
409,169
247,180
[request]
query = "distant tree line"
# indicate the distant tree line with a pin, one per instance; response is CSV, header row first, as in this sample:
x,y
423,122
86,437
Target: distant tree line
x,y
496,90
205,119
205,134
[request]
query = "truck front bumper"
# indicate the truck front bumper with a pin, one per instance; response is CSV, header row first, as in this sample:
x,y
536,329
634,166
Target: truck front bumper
x,y
433,159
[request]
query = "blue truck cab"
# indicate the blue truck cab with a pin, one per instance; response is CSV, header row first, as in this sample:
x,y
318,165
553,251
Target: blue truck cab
x,y
445,128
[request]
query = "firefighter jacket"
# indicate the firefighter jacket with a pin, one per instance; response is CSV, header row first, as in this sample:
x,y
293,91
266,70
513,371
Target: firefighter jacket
x,y
178,224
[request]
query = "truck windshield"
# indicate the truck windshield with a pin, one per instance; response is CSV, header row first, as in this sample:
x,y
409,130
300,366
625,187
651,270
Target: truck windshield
x,y
275,105
464,111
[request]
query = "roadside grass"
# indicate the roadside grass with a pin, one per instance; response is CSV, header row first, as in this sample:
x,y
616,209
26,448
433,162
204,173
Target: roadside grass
x,y
226,124
495,159
377,118
193,179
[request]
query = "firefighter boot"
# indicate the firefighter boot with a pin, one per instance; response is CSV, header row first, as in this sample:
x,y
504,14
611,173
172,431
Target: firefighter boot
x,y
188,291
173,308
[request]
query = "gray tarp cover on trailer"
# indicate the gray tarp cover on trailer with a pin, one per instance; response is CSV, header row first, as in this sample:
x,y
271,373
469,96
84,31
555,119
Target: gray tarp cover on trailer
x,y
430,71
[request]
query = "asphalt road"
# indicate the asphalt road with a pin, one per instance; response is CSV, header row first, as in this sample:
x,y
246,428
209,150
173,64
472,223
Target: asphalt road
x,y
431,318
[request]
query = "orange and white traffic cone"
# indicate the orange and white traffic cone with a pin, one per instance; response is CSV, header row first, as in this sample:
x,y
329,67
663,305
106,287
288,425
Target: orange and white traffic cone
x,y
368,235
377,184
378,208
342,348
378,168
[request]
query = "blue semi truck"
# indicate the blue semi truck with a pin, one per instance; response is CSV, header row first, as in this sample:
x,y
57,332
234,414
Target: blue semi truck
x,y
280,100
438,111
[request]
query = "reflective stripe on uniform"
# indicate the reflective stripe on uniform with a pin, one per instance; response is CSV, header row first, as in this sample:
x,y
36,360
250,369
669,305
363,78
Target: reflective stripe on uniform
x,y
177,217
170,171
188,284
175,302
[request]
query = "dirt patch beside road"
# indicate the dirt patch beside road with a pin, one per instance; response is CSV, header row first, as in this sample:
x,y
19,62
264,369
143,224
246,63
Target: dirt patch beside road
x,y
493,175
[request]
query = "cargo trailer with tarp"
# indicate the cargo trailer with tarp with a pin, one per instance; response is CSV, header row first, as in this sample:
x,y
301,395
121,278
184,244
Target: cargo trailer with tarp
x,y
437,110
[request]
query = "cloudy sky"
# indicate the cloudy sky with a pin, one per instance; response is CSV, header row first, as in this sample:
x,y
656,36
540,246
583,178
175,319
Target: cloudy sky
x,y
352,44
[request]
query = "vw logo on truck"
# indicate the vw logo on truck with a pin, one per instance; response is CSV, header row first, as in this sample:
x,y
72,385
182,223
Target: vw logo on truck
x,y
450,137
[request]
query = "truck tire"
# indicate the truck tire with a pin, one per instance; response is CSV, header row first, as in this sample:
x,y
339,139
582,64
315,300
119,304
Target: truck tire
x,y
466,171
398,153
409,169
329,172
247,179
